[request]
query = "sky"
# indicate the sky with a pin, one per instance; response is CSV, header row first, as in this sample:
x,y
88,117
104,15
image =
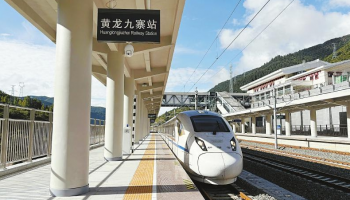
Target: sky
x,y
26,55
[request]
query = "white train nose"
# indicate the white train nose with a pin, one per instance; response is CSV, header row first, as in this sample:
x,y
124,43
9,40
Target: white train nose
x,y
220,165
233,164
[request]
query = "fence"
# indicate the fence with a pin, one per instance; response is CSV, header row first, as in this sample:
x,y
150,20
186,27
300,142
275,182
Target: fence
x,y
304,94
24,140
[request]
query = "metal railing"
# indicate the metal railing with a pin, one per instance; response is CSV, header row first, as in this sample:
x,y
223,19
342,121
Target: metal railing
x,y
334,130
24,140
304,94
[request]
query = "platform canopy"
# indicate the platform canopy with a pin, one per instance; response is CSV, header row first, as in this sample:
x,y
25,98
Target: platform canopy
x,y
150,63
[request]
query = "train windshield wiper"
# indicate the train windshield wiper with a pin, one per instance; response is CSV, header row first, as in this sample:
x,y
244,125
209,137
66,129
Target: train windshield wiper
x,y
216,128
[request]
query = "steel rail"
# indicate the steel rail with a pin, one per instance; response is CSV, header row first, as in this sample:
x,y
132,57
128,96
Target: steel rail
x,y
330,180
314,159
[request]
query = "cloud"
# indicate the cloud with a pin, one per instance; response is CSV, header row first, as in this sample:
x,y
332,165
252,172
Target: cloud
x,y
300,26
34,65
5,34
185,50
235,22
180,76
339,3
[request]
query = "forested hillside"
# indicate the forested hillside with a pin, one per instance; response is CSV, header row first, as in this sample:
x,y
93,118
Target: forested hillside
x,y
38,102
322,51
170,114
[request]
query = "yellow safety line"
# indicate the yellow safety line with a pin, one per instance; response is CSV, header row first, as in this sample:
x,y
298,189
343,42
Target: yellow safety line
x,y
140,187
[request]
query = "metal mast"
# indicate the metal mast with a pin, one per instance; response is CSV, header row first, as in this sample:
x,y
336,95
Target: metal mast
x,y
21,86
231,81
334,50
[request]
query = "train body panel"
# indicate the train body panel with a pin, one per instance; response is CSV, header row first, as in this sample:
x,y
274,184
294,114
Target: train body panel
x,y
205,145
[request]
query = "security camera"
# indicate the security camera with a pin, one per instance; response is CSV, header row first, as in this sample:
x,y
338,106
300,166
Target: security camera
x,y
129,50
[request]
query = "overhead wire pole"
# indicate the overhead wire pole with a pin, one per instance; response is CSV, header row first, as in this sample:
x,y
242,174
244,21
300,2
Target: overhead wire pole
x,y
230,44
252,40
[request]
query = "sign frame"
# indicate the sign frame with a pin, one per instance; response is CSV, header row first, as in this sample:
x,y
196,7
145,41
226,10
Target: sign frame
x,y
152,116
128,25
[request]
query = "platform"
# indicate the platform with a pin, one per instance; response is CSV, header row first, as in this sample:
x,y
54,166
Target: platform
x,y
151,172
340,144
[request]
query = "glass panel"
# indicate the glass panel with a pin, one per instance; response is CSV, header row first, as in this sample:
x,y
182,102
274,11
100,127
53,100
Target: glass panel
x,y
262,96
207,123
287,89
280,91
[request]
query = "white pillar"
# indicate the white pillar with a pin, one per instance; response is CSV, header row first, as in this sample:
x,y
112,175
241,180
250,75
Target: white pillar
x,y
348,118
129,91
145,118
287,123
268,124
114,107
242,125
313,125
253,124
234,127
71,125
138,131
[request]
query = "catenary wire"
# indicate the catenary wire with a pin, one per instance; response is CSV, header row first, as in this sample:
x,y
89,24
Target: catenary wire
x,y
229,44
213,41
250,42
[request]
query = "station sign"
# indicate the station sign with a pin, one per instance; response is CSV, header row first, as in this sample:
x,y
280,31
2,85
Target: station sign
x,y
152,121
128,25
237,120
280,117
152,116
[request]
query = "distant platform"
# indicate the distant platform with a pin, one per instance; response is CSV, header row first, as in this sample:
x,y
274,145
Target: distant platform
x,y
151,172
341,144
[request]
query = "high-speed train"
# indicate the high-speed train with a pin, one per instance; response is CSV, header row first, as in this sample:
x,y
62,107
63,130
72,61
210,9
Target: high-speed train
x,y
205,145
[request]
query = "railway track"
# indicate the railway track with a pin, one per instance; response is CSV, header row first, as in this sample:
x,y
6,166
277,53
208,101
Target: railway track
x,y
329,180
221,192
329,162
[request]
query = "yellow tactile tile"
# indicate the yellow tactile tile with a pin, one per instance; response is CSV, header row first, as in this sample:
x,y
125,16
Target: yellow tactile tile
x,y
141,185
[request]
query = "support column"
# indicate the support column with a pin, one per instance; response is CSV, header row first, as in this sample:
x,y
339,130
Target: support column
x,y
138,131
234,127
71,125
145,118
287,123
129,91
242,125
254,125
114,107
348,118
313,123
268,124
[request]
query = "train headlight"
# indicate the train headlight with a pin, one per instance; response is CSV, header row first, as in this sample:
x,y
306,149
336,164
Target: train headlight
x,y
201,144
233,144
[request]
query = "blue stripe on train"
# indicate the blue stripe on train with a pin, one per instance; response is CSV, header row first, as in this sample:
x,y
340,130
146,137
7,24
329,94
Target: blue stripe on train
x,y
180,147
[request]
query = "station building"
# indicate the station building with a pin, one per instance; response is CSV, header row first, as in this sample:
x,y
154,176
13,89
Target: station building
x,y
311,100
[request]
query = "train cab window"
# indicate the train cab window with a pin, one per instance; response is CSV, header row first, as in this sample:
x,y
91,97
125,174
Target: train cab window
x,y
208,123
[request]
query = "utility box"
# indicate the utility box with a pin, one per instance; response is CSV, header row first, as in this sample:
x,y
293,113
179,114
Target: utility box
x,y
126,140
278,129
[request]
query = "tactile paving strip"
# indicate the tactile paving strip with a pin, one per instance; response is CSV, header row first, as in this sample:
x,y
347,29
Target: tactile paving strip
x,y
140,187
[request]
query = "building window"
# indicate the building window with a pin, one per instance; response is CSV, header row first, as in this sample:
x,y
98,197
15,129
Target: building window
x,y
280,91
287,89
262,96
340,78
268,96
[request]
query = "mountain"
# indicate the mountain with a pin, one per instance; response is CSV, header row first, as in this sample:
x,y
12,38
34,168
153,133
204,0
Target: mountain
x,y
47,101
321,51
96,112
